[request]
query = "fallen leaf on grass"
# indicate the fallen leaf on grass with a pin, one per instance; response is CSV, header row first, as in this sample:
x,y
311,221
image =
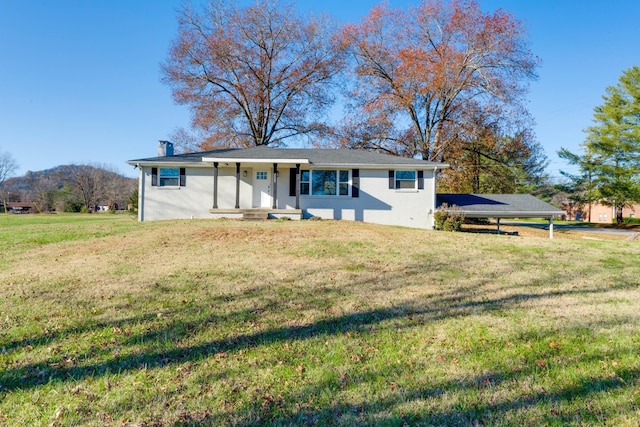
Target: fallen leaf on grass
x,y
59,413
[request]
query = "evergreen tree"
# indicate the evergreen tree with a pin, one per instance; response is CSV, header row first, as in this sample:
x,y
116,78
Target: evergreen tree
x,y
610,169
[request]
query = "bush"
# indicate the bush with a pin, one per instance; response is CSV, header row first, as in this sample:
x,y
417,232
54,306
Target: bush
x,y
632,221
132,202
448,218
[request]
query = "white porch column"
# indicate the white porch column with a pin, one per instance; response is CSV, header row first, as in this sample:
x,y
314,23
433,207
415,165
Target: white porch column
x,y
215,185
275,186
297,185
237,185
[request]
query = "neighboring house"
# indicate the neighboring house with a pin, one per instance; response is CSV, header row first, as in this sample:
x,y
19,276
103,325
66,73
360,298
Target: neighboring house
x,y
573,211
295,183
607,214
20,207
599,213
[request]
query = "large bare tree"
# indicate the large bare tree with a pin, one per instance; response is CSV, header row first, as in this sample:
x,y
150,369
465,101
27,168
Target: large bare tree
x,y
98,183
418,70
8,167
256,75
41,190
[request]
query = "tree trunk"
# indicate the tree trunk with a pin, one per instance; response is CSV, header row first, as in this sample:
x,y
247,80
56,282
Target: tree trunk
x,y
619,219
475,180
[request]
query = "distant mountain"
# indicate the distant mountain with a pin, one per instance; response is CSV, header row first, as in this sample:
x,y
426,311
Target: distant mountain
x,y
71,187
58,175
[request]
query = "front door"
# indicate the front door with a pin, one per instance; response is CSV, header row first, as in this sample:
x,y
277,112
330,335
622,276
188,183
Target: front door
x,y
261,189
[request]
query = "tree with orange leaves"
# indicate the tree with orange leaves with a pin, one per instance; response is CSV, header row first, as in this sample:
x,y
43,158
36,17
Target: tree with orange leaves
x,y
418,71
491,154
258,75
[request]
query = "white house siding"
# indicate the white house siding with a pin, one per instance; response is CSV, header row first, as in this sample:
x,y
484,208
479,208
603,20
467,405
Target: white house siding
x,y
191,201
376,202
194,199
227,188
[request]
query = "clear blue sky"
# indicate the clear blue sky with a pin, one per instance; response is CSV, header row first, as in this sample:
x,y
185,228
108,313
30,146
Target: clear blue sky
x,y
80,79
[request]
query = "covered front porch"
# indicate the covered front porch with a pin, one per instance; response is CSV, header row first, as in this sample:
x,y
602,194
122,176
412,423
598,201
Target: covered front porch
x,y
261,177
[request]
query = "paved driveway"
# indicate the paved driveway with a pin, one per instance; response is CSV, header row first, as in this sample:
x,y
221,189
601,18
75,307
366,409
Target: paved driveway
x,y
581,228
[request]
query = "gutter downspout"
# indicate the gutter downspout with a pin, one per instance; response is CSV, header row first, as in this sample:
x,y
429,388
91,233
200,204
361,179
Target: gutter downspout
x,y
433,204
141,185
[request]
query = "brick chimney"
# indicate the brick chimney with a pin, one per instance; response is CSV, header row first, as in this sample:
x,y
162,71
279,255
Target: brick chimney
x,y
165,148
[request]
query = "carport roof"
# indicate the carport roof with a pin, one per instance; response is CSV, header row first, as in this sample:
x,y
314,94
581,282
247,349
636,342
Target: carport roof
x,y
499,205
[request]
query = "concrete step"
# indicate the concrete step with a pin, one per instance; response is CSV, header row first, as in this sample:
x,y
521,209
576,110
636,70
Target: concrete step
x,y
255,215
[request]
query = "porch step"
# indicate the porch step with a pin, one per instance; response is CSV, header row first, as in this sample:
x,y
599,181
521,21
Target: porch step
x,y
255,215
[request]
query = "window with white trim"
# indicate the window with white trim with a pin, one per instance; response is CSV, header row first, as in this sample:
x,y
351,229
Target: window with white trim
x,y
320,182
261,175
343,183
405,180
169,177
305,177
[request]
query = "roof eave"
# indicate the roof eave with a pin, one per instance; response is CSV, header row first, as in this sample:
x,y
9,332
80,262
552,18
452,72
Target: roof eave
x,y
417,166
251,160
496,214
154,163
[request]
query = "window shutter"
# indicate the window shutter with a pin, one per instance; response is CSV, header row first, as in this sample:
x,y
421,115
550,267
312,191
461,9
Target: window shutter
x,y
292,182
355,182
154,177
183,177
392,180
420,180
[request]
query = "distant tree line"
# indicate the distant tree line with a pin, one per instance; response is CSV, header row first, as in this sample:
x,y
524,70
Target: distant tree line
x,y
72,188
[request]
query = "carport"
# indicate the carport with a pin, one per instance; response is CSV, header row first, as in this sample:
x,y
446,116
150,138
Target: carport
x,y
500,206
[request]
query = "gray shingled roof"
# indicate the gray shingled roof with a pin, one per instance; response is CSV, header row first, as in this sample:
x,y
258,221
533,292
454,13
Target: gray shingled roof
x,y
499,205
314,156
182,158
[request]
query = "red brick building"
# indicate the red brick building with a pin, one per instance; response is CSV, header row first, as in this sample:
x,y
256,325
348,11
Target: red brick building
x,y
599,212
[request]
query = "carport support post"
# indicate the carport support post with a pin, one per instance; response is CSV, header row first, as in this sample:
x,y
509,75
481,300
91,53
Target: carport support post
x,y
498,225
550,227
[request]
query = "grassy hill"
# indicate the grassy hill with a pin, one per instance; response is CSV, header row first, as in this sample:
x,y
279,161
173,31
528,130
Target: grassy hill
x,y
106,321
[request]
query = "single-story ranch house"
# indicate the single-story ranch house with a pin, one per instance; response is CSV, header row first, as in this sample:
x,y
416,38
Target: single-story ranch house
x,y
295,183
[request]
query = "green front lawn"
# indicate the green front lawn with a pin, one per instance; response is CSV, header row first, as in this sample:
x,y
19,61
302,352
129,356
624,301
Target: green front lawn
x,y
106,321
